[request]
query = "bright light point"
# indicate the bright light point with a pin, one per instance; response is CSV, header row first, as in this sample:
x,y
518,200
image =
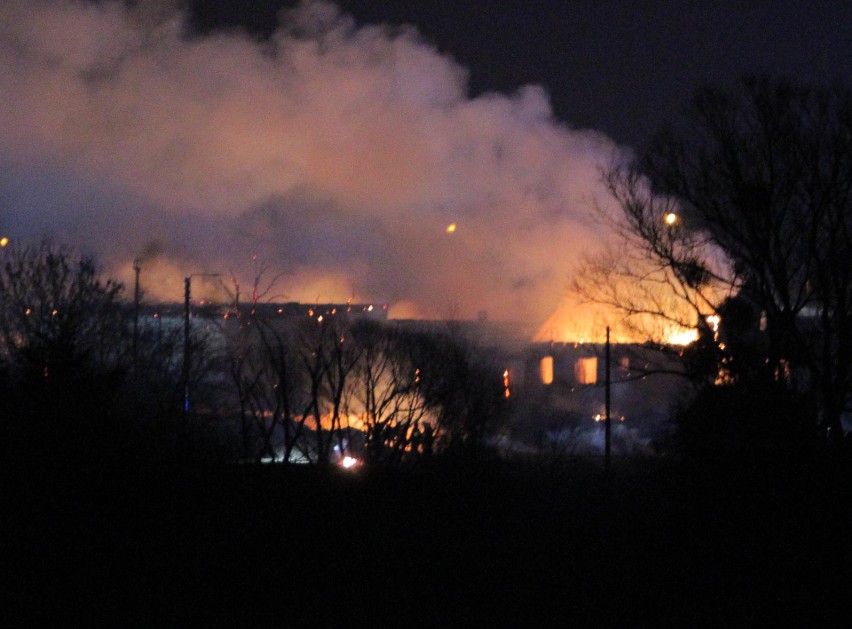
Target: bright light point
x,y
349,462
671,218
451,228
4,241
714,321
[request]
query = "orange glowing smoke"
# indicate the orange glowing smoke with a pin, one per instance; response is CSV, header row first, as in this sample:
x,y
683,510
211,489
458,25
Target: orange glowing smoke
x,y
586,323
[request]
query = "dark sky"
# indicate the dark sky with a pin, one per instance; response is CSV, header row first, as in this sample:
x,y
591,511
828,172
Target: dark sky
x,y
615,66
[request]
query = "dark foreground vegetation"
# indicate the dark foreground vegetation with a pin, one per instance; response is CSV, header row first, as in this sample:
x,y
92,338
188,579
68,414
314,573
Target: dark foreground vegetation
x,y
654,543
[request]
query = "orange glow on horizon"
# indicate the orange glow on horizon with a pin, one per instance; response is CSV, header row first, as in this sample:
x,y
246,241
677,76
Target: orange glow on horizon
x,y
585,323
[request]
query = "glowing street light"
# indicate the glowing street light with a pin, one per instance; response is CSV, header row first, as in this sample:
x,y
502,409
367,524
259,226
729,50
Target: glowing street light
x,y
671,218
4,241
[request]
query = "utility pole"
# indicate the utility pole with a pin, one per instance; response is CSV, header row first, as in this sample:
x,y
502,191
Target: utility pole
x,y
137,297
186,344
607,424
186,294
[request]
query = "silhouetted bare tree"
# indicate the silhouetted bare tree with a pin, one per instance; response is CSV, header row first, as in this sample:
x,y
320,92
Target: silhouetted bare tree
x,y
326,386
396,417
62,330
749,196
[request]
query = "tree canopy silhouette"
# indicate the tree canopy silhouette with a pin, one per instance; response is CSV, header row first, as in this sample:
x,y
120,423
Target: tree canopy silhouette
x,y
746,199
62,332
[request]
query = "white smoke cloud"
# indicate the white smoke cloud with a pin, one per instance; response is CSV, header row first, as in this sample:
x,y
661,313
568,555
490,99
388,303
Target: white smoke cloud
x,y
336,153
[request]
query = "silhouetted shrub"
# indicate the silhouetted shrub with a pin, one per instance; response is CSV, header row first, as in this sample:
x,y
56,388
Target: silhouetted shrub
x,y
732,425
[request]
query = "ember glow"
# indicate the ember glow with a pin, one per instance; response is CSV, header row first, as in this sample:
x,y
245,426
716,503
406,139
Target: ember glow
x,y
682,336
574,322
349,462
340,155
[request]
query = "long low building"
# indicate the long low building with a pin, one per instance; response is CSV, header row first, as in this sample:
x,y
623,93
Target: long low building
x,y
555,390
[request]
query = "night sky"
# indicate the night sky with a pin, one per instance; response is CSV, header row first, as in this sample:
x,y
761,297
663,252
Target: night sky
x,y
336,142
619,67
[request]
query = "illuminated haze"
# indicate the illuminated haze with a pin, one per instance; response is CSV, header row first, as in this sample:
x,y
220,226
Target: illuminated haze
x,y
337,154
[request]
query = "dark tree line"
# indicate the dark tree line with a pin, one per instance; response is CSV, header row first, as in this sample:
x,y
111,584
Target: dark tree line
x,y
62,351
82,378
79,379
331,386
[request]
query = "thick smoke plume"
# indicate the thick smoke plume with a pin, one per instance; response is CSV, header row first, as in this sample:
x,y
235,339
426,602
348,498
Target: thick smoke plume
x,y
335,153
